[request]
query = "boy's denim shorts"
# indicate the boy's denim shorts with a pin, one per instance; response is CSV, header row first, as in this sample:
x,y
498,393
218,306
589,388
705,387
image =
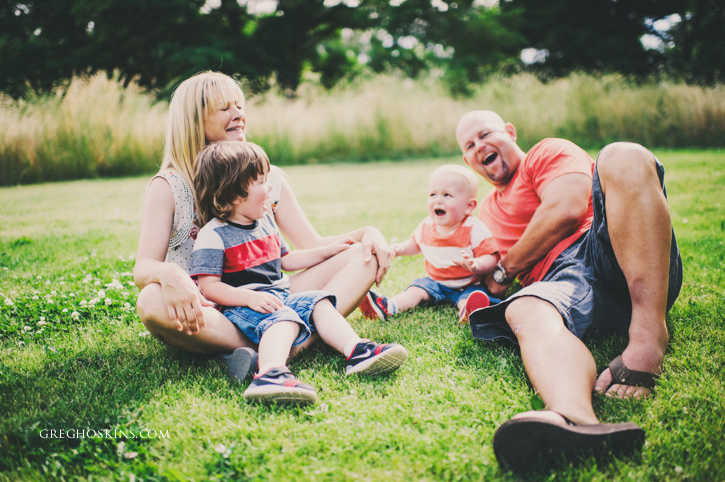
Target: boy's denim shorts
x,y
585,283
298,308
443,294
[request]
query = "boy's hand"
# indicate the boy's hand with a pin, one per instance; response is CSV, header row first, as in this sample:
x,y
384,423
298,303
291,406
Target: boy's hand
x,y
338,246
263,302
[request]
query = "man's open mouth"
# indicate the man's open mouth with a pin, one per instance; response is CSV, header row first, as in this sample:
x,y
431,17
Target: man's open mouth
x,y
489,158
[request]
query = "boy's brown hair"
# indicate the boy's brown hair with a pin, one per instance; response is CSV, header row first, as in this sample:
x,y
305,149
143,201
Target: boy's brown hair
x,y
224,171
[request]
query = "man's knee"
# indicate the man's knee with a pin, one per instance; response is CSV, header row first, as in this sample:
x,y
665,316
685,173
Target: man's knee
x,y
626,164
529,314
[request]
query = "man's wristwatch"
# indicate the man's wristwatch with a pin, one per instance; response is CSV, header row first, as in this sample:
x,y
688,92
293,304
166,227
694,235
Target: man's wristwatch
x,y
499,275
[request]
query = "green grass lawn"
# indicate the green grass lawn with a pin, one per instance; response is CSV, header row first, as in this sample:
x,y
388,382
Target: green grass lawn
x,y
74,357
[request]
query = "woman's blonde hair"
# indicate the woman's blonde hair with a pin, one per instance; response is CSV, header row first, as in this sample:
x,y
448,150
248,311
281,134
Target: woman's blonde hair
x,y
224,171
194,98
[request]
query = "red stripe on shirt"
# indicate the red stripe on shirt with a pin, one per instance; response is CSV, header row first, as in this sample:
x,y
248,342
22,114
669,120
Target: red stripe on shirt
x,y
251,254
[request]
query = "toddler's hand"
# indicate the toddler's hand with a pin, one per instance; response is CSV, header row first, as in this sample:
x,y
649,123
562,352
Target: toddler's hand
x,y
263,302
468,262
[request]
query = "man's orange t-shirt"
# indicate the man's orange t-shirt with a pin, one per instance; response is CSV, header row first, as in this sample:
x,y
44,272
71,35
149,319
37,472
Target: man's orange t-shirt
x,y
507,215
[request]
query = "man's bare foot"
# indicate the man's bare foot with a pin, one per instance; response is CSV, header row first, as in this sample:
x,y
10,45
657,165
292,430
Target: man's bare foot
x,y
647,360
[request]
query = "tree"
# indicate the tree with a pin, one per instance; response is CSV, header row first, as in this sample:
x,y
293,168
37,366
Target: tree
x,y
696,45
591,35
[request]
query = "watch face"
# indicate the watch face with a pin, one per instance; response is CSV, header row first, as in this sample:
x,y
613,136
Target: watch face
x,y
498,275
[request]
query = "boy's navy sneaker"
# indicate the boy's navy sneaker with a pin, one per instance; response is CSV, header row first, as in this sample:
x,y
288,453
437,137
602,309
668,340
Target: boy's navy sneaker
x,y
370,358
374,306
279,385
241,363
477,300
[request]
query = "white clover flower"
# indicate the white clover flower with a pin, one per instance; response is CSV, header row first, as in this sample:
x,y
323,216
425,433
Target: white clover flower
x,y
9,302
42,318
127,306
53,293
75,315
101,293
115,285
84,302
108,301
26,328
221,448
42,322
38,277
65,310
36,297
72,295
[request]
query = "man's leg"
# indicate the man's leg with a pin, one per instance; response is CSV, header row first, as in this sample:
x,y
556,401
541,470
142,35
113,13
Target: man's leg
x,y
559,366
640,231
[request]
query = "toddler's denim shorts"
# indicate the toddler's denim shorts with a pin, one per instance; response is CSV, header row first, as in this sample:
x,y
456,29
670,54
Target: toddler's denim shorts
x,y
298,308
585,283
443,294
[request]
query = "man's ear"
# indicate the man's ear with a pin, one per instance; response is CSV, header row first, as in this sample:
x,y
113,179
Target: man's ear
x,y
464,160
511,130
471,206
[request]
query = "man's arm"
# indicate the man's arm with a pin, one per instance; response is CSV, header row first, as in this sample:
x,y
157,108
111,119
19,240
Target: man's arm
x,y
564,202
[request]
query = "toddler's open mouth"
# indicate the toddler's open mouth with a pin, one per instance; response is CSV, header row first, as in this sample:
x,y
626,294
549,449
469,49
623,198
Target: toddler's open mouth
x,y
440,212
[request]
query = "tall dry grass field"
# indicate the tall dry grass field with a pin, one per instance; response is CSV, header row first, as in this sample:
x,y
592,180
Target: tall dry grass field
x,y
93,126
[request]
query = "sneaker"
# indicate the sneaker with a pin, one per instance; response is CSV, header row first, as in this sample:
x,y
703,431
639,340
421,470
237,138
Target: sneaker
x,y
374,306
279,385
241,363
476,301
369,358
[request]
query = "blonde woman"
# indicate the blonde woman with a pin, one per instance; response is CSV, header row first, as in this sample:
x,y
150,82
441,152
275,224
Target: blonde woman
x,y
205,108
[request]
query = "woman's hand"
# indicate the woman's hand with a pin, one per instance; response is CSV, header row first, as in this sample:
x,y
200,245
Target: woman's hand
x,y
374,244
263,302
183,300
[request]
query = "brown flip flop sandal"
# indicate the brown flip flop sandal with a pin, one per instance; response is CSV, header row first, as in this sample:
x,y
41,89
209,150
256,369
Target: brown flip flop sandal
x,y
525,444
621,375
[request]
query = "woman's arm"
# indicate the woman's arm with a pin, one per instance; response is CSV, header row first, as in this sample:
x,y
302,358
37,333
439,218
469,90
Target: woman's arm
x,y
181,296
298,230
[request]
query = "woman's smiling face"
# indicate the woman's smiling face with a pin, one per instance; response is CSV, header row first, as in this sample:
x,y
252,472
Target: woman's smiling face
x,y
228,122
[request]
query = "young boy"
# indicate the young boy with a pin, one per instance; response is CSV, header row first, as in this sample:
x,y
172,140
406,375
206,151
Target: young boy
x,y
238,260
457,247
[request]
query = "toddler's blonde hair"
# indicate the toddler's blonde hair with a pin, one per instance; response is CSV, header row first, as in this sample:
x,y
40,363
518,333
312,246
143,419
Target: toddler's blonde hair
x,y
465,172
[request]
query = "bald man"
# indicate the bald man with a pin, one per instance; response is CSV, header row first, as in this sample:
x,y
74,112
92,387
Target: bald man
x,y
593,246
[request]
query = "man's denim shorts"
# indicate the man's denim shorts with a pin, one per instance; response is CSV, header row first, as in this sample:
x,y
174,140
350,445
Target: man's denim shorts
x,y
298,307
585,283
443,294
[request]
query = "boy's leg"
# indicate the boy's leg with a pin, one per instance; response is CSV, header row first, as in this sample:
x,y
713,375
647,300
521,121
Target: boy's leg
x,y
275,345
333,327
364,356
